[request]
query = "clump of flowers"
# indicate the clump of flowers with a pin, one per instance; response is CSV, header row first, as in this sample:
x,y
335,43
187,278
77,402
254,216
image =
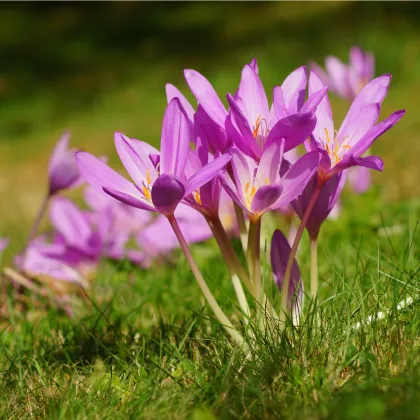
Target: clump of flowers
x,y
216,165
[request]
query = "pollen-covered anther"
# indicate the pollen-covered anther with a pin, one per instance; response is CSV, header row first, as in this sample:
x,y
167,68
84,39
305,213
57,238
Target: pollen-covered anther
x,y
197,197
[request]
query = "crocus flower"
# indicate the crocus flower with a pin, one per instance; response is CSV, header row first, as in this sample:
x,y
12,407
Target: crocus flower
x,y
253,126
280,251
62,169
160,181
357,132
347,80
327,200
258,188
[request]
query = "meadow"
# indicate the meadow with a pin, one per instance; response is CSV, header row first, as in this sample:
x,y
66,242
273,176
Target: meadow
x,y
142,343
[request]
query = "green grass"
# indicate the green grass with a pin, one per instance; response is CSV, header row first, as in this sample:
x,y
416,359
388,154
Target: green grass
x,y
146,347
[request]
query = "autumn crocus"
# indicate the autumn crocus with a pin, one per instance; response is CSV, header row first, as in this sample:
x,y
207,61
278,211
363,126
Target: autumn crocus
x,y
160,183
254,126
347,80
63,174
344,149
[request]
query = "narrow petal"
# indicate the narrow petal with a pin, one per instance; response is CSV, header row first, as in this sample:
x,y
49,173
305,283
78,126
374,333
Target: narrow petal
x,y
174,92
338,73
280,251
264,198
175,140
238,128
100,175
314,100
269,166
297,177
366,141
232,190
137,165
70,222
323,113
348,161
59,151
167,192
294,90
373,93
133,201
294,129
254,65
206,96
278,104
207,173
251,91
321,75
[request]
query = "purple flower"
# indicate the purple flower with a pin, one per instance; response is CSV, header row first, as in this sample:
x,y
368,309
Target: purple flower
x,y
62,169
280,251
357,132
254,126
160,183
347,80
258,188
325,203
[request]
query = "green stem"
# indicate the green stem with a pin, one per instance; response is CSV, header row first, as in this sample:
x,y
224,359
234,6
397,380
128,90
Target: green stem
x,y
218,231
237,265
254,257
220,315
314,268
240,219
292,255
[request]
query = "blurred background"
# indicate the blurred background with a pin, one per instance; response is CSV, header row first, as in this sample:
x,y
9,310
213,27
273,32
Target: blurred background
x,y
96,68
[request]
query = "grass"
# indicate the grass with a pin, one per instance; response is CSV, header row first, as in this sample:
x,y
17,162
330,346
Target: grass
x,y
148,348
144,345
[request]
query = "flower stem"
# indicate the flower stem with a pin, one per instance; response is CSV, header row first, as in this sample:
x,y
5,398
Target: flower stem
x,y
219,234
220,315
254,257
240,219
298,237
216,224
38,219
314,267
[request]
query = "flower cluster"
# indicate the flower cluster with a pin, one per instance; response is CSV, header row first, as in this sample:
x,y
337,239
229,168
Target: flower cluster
x,y
220,163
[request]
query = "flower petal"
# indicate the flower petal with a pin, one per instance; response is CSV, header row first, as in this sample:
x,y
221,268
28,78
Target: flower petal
x,y
294,90
133,201
297,177
137,165
264,198
175,140
237,128
70,222
100,175
338,73
294,129
167,192
252,93
232,190
207,173
206,96
173,92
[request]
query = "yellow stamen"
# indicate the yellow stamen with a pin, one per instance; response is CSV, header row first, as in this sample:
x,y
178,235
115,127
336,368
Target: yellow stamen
x,y
267,181
257,126
346,146
148,179
253,191
328,149
146,193
197,197
327,135
247,187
